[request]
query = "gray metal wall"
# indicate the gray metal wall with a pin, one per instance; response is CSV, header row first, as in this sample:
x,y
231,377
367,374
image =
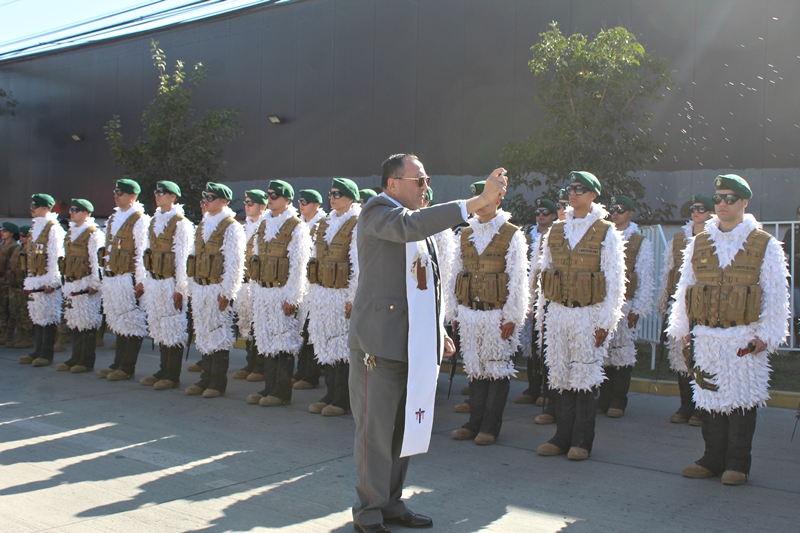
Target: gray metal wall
x,y
447,79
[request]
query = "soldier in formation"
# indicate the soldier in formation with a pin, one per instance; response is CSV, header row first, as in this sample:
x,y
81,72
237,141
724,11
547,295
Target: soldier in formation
x,y
9,233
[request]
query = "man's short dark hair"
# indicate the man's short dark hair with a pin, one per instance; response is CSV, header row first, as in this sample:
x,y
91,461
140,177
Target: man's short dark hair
x,y
393,167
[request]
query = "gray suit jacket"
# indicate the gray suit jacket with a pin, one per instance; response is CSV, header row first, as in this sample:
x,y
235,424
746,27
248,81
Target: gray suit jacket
x,y
379,321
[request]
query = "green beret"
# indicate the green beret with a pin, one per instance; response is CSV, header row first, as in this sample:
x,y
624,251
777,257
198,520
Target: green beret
x,y
735,183
586,178
562,194
24,230
366,194
220,190
429,195
128,186
282,188
311,196
170,187
43,200
624,201
10,226
703,199
477,187
346,187
546,203
83,205
257,195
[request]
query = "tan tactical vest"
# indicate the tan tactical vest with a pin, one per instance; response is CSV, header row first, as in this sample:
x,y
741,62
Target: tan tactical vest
x,y
206,266
37,251
728,297
576,280
632,248
159,259
332,268
271,266
75,264
483,285
674,275
17,267
248,253
122,248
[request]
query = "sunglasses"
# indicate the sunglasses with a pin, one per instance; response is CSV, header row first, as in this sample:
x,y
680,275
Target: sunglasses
x,y
119,192
617,209
249,203
335,194
160,192
729,199
563,205
74,210
210,197
542,212
273,195
577,189
698,209
303,201
34,206
422,180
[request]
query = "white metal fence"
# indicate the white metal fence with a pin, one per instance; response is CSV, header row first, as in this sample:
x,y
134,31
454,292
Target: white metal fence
x,y
788,232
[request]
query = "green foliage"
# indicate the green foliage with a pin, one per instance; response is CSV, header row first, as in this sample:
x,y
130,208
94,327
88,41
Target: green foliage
x,y
175,147
594,96
9,103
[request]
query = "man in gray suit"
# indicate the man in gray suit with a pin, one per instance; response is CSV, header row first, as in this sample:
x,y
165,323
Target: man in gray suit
x,y
379,327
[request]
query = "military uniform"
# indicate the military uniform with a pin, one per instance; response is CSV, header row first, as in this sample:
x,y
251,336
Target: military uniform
x,y
733,288
280,260
45,247
334,278
7,249
18,300
123,262
81,270
582,288
490,289
618,366
216,271
170,243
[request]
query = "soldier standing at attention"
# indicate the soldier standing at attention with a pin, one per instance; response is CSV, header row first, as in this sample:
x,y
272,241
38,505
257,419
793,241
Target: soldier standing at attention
x,y
333,274
308,370
702,209
123,279
18,299
255,208
281,258
81,271
216,272
9,232
582,287
165,288
731,307
639,287
44,249
491,296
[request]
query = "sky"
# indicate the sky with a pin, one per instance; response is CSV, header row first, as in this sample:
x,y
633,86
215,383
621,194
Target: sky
x,y
30,26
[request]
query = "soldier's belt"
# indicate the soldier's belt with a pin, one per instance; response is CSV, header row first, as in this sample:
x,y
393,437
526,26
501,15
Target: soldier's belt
x,y
482,306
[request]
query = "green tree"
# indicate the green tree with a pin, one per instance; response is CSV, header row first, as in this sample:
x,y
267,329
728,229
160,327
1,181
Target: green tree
x,y
9,104
594,96
175,147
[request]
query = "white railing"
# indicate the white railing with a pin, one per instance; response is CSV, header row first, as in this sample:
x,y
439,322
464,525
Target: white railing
x,y
650,326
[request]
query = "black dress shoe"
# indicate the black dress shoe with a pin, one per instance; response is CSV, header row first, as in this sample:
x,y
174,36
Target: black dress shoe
x,y
410,519
372,528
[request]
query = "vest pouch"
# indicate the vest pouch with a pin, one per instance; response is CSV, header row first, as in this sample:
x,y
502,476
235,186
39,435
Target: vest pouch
x,y
216,267
253,267
119,261
101,257
62,266
488,291
598,287
311,270
462,288
502,287
752,311
551,285
167,265
269,270
191,263
696,308
203,267
38,264
283,271
342,275
147,260
583,288
74,267
327,274
631,285
737,300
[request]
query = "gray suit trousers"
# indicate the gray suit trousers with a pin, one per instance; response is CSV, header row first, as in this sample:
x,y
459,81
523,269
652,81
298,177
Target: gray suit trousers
x,y
377,400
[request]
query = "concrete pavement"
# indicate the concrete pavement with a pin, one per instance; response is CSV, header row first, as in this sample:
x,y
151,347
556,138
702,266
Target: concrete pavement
x,y
82,454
